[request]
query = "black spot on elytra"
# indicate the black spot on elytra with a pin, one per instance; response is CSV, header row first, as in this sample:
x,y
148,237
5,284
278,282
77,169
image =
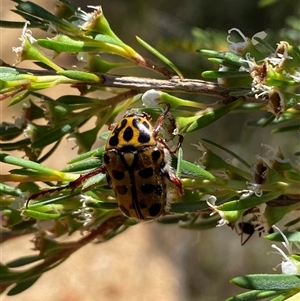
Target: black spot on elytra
x,y
114,139
146,173
147,188
155,155
142,205
128,134
121,189
136,122
146,124
118,175
144,136
154,209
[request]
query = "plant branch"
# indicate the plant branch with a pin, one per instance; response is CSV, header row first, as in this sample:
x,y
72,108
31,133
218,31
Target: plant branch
x,y
175,85
142,84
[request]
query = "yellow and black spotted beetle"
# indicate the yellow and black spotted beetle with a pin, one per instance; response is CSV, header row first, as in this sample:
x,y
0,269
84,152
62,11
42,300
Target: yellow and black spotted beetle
x,y
137,164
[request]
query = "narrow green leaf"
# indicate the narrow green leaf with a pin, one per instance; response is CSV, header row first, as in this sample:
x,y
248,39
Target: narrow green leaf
x,y
160,56
208,116
7,275
281,298
15,145
34,22
81,76
65,44
194,171
268,282
292,222
22,286
210,53
33,9
19,98
10,190
5,158
249,202
83,166
253,295
64,195
21,261
41,215
77,100
102,43
265,44
11,24
95,152
291,236
225,74
231,153
284,129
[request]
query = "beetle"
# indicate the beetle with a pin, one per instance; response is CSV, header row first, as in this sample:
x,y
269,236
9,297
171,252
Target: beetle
x,y
137,164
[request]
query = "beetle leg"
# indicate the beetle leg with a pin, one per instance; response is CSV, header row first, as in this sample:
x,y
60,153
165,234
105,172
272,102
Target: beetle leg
x,y
157,127
176,181
72,185
160,120
170,174
162,141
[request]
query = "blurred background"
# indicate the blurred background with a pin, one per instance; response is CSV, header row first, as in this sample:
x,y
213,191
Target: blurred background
x,y
152,261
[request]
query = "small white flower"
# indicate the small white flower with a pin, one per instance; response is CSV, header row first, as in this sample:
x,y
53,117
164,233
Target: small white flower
x,y
151,98
26,35
200,147
289,265
265,90
211,202
29,131
262,35
245,193
84,19
240,47
258,73
252,188
249,61
85,215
